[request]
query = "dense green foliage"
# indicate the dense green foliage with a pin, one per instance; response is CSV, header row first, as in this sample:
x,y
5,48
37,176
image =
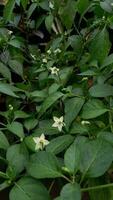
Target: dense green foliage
x,y
56,99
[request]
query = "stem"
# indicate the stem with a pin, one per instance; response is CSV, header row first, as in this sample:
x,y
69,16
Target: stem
x,y
97,187
4,185
50,188
110,115
66,178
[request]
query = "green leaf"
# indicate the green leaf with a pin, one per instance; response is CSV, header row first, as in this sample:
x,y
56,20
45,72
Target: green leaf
x,y
49,22
105,5
30,123
16,66
108,61
71,192
101,90
7,89
78,128
51,99
105,193
30,143
60,143
9,10
108,136
67,17
4,70
93,108
72,109
100,46
43,165
17,156
29,189
20,114
82,6
72,158
96,158
4,144
24,3
16,128
31,10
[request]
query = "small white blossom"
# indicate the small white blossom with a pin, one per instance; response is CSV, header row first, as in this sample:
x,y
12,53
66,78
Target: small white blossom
x,y
57,51
51,5
58,123
103,17
54,70
84,78
40,142
10,107
10,32
49,51
85,122
44,60
33,56
111,4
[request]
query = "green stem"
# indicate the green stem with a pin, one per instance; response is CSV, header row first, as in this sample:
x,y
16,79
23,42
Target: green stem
x,y
4,185
66,178
97,187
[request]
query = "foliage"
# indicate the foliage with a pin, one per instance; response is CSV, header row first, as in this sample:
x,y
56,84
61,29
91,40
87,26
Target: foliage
x,y
56,99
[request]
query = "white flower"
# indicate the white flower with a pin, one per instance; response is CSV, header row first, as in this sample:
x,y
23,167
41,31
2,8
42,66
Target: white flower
x,y
85,122
40,142
44,60
111,4
33,56
58,123
57,51
10,107
84,78
49,51
51,5
10,32
54,70
103,17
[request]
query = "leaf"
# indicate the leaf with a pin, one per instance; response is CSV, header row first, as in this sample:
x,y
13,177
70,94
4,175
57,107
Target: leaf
x,y
106,6
100,46
20,114
24,3
101,90
104,193
43,165
49,22
16,128
82,6
107,136
7,89
28,189
16,66
30,123
9,10
93,108
72,109
51,99
72,158
78,128
67,17
71,192
60,143
108,61
96,158
4,144
31,10
17,156
4,70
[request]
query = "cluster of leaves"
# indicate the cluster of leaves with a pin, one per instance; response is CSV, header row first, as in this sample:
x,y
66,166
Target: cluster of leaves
x,y
74,37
